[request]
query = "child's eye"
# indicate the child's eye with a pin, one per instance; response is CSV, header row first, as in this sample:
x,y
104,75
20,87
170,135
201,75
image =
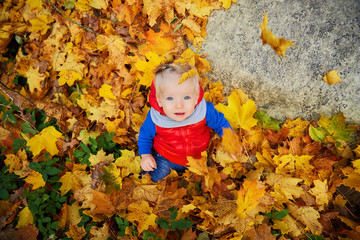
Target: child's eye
x,y
187,98
169,98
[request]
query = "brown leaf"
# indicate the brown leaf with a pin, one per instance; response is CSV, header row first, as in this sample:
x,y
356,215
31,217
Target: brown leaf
x,y
262,232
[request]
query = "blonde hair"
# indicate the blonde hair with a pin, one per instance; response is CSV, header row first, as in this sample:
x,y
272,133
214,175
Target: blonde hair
x,y
172,68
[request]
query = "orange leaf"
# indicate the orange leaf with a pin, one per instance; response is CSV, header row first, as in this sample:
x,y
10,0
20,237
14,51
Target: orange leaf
x,y
249,197
280,45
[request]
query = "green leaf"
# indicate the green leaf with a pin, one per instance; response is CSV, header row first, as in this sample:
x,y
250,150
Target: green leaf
x,y
163,223
27,128
4,195
18,143
53,171
316,134
182,224
85,148
280,214
173,213
267,122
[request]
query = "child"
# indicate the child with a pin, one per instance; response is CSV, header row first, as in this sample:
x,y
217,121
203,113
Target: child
x,y
178,123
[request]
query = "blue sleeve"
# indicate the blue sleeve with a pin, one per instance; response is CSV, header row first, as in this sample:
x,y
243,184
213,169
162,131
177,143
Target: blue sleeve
x,y
146,136
215,119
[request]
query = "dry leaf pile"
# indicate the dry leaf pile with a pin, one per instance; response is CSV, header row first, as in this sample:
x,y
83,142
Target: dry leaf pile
x,y
75,78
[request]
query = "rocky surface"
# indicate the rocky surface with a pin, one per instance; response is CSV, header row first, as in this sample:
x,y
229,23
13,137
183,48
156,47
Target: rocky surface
x,y
326,34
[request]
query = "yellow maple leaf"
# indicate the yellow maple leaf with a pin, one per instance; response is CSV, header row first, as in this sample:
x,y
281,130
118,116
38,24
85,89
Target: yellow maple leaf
x,y
188,56
40,24
70,181
83,5
239,113
25,218
35,4
36,179
105,91
308,216
296,127
100,157
321,192
249,197
186,75
357,151
280,45
227,3
35,79
99,4
13,161
153,8
192,25
214,93
332,77
290,163
128,163
46,139
84,136
148,67
143,214
231,142
69,77
285,187
198,166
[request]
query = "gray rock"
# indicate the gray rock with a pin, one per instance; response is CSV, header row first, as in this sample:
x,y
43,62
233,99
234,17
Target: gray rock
x,y
326,34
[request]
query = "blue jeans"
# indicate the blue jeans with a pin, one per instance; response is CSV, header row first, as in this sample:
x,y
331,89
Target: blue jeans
x,y
164,167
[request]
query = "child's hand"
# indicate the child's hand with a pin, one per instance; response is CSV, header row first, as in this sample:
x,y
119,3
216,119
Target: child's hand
x,y
147,162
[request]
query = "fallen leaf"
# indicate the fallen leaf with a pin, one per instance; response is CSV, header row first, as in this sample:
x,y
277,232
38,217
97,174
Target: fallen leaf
x,y
332,77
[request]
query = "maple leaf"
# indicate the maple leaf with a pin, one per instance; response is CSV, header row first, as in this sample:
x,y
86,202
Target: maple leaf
x,y
227,3
35,4
148,67
46,139
249,197
262,232
36,179
69,77
239,112
214,93
286,187
231,143
112,177
157,42
40,24
297,127
99,4
186,75
103,204
25,218
280,45
307,216
128,163
72,180
143,214
84,136
35,79
75,232
105,92
198,166
289,163
100,233
332,77
267,122
100,157
321,192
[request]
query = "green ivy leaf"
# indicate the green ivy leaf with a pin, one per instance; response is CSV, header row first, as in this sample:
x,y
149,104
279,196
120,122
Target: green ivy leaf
x,y
316,134
182,224
280,214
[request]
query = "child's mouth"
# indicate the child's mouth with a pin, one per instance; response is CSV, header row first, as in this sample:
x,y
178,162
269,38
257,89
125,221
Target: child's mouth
x,y
179,114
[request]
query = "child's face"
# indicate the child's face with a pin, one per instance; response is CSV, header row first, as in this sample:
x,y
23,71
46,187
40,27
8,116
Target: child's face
x,y
177,101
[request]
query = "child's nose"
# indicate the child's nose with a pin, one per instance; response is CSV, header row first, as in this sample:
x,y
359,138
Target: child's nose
x,y
179,104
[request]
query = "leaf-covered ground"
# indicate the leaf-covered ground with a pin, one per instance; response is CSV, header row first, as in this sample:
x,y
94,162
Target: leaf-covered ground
x,y
74,82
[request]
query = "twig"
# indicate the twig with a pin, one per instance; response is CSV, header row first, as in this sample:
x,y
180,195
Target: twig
x,y
29,100
62,13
